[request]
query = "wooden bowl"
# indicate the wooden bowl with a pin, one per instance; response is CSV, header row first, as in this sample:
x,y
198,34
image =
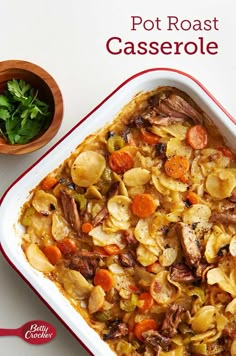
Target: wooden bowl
x,y
48,91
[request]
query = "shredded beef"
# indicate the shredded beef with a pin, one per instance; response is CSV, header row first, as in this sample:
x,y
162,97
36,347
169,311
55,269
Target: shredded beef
x,y
172,319
85,262
182,273
70,211
201,270
100,216
139,122
160,150
227,214
113,190
156,340
167,110
223,218
126,259
129,238
164,120
180,105
190,244
116,329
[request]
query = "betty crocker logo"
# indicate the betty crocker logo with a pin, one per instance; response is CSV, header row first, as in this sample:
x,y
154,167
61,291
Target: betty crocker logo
x,y
34,332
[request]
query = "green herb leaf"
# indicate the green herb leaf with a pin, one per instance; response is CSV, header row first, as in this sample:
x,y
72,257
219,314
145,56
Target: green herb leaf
x,y
4,101
18,88
34,112
22,115
4,114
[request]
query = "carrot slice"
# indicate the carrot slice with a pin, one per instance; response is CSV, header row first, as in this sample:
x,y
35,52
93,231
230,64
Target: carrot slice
x,y
87,227
53,254
104,279
197,137
226,151
133,288
144,325
153,268
121,161
112,249
146,301
149,137
143,205
100,251
48,183
67,246
192,197
176,166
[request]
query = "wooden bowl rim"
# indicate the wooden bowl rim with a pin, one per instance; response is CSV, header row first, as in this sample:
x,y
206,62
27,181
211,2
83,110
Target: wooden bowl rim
x,y
58,107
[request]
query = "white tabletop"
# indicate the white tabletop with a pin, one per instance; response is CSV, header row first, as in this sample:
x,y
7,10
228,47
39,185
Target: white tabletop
x,y
68,39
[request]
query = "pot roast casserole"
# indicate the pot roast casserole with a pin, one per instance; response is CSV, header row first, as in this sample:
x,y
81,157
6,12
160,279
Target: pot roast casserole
x,y
137,229
130,236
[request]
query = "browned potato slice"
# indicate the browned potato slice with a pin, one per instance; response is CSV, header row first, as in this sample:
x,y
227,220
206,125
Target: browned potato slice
x,y
96,299
37,258
162,291
87,168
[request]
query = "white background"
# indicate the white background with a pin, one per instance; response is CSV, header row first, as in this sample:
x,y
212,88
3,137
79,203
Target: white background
x,y
67,38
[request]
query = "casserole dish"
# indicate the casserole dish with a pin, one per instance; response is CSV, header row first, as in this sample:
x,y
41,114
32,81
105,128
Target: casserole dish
x,y
19,192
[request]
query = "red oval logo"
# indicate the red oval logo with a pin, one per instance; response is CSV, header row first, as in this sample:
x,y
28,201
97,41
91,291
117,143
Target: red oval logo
x,y
38,332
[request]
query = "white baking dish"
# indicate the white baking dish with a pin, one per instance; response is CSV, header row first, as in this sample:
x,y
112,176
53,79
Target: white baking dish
x,y
19,192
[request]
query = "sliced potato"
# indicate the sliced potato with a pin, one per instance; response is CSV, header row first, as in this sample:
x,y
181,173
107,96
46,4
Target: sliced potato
x,y
220,184
37,259
87,168
112,225
197,213
119,207
203,336
96,299
172,184
217,275
159,131
60,227
216,240
177,147
102,238
120,224
162,291
168,257
221,322
123,190
93,193
141,233
136,176
40,227
218,160
196,172
44,203
231,307
204,319
177,130
144,256
232,246
76,285
139,189
157,222
159,187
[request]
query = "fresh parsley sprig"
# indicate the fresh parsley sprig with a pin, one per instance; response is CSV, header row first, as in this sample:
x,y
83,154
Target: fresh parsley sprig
x,y
22,115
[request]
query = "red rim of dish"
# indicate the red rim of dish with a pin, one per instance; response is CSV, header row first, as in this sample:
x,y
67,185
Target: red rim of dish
x,y
67,134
